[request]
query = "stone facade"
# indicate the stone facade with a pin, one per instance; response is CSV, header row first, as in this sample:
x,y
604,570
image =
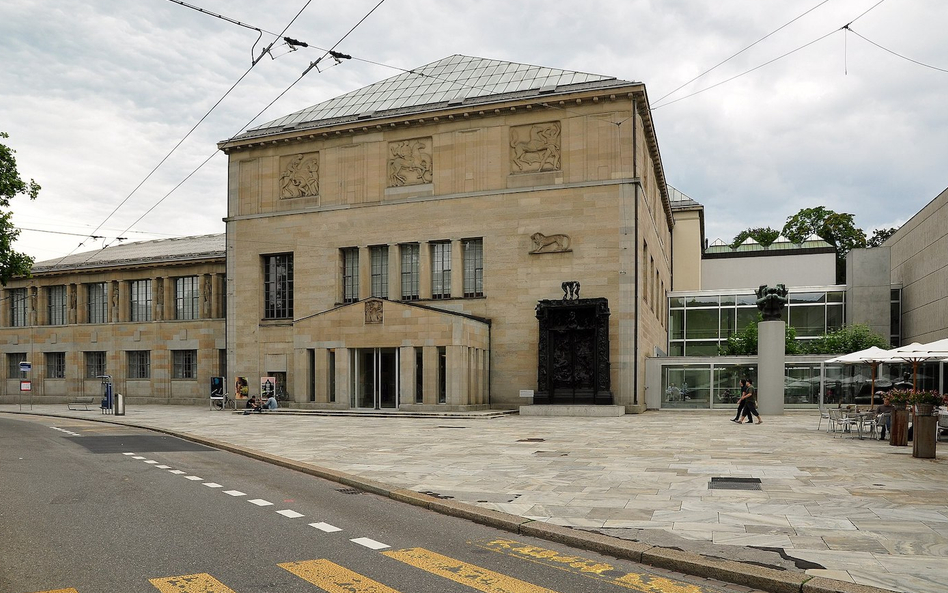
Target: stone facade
x,y
80,317
546,189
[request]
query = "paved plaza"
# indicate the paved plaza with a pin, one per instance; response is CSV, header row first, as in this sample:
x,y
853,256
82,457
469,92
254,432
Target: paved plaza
x,y
859,511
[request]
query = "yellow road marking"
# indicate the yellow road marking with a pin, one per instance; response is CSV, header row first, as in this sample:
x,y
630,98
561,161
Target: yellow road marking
x,y
646,583
59,591
461,572
190,583
333,578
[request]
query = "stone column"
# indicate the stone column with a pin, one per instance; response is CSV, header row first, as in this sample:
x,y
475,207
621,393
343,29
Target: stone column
x,y
394,273
771,358
430,372
457,270
365,272
406,371
342,377
424,276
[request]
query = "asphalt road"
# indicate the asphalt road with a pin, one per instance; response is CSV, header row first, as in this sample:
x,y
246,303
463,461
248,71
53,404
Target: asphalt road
x,y
88,507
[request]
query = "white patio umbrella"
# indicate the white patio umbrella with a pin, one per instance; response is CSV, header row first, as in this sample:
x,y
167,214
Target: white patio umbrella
x,y
871,356
914,354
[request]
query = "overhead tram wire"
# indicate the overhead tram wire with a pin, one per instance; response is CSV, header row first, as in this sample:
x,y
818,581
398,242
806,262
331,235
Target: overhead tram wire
x,y
200,121
851,30
329,52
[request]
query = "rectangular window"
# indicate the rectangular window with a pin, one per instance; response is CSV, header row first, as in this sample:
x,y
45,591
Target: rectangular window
x,y
56,305
139,293
410,271
55,365
98,302
20,307
379,255
13,364
184,364
473,250
95,364
350,274
186,297
278,286
441,270
139,364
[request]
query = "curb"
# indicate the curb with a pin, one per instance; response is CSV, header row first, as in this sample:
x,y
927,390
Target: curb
x,y
738,573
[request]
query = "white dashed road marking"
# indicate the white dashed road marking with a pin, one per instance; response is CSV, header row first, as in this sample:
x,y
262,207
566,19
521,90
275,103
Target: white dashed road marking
x,y
260,502
177,472
138,457
289,513
193,478
235,493
127,453
151,461
369,543
325,527
163,466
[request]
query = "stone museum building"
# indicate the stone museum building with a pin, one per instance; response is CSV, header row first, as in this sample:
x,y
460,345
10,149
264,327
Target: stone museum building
x,y
406,245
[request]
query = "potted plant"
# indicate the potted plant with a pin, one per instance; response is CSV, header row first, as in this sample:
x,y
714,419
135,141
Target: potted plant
x,y
899,398
926,401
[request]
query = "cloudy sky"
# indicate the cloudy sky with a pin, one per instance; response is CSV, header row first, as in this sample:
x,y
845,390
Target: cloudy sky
x,y
95,94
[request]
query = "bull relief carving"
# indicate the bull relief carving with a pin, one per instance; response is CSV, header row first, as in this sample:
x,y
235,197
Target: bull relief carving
x,y
550,243
300,176
373,311
535,148
409,162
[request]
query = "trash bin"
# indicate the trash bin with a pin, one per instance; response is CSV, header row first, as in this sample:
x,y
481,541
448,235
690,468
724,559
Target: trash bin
x,y
119,404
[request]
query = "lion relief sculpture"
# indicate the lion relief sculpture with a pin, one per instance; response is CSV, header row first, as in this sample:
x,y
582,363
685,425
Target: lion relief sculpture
x,y
550,243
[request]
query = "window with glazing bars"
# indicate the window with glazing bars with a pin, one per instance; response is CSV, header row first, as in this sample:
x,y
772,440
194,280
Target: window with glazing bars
x,y
98,302
19,307
56,305
350,274
441,270
186,297
95,364
278,286
13,364
184,364
139,364
139,296
473,267
55,365
379,254
410,271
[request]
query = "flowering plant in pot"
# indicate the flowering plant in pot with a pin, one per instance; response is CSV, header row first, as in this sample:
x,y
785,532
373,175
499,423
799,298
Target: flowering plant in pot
x,y
899,397
926,400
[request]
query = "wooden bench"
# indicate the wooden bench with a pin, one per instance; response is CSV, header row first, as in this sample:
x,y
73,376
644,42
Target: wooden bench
x,y
84,401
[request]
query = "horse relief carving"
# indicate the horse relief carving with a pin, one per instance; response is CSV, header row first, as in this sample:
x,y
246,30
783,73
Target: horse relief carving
x,y
535,148
300,176
550,243
409,162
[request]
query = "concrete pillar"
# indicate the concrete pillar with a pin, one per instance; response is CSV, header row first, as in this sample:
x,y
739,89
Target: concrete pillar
x,y
394,273
342,377
430,372
457,270
424,274
365,272
321,372
406,373
771,358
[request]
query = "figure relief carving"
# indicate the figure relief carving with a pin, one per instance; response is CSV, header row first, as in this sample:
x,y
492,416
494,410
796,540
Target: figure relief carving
x,y
409,162
535,148
550,243
300,176
373,311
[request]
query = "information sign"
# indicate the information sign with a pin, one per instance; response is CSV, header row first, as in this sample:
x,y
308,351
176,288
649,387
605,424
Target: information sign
x,y
26,367
26,386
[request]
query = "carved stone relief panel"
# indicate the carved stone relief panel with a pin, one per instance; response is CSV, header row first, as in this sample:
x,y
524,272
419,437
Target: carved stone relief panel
x,y
535,148
299,175
373,311
558,243
409,162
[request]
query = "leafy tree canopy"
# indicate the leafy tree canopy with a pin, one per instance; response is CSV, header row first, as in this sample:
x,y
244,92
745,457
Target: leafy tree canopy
x,y
744,342
764,236
837,229
12,263
880,235
845,340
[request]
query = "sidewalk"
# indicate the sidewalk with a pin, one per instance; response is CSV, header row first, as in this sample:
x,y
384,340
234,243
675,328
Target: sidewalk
x,y
857,511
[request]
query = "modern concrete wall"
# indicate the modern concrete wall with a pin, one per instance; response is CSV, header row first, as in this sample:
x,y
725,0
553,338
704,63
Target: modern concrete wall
x,y
686,255
868,288
793,269
919,257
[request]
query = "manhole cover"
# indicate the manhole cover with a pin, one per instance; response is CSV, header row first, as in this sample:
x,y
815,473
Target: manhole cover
x,y
734,484
137,443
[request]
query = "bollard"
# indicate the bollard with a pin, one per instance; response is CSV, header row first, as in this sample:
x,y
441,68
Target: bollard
x,y
119,404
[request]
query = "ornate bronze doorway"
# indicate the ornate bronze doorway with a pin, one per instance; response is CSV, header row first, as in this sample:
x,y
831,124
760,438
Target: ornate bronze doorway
x,y
573,352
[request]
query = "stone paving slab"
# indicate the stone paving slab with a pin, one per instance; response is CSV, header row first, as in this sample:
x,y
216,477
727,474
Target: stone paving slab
x,y
850,512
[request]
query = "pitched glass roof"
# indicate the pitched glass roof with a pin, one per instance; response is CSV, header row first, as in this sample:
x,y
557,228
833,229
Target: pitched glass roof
x,y
455,80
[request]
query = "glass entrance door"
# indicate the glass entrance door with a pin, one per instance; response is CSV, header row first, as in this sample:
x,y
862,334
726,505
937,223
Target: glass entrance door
x,y
375,378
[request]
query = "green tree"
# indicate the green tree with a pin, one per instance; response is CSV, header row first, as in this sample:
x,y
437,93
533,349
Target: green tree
x,y
744,342
880,235
12,263
837,229
845,340
764,236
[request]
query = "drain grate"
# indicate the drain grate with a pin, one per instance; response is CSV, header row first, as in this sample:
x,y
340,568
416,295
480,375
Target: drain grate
x,y
531,440
734,484
349,491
